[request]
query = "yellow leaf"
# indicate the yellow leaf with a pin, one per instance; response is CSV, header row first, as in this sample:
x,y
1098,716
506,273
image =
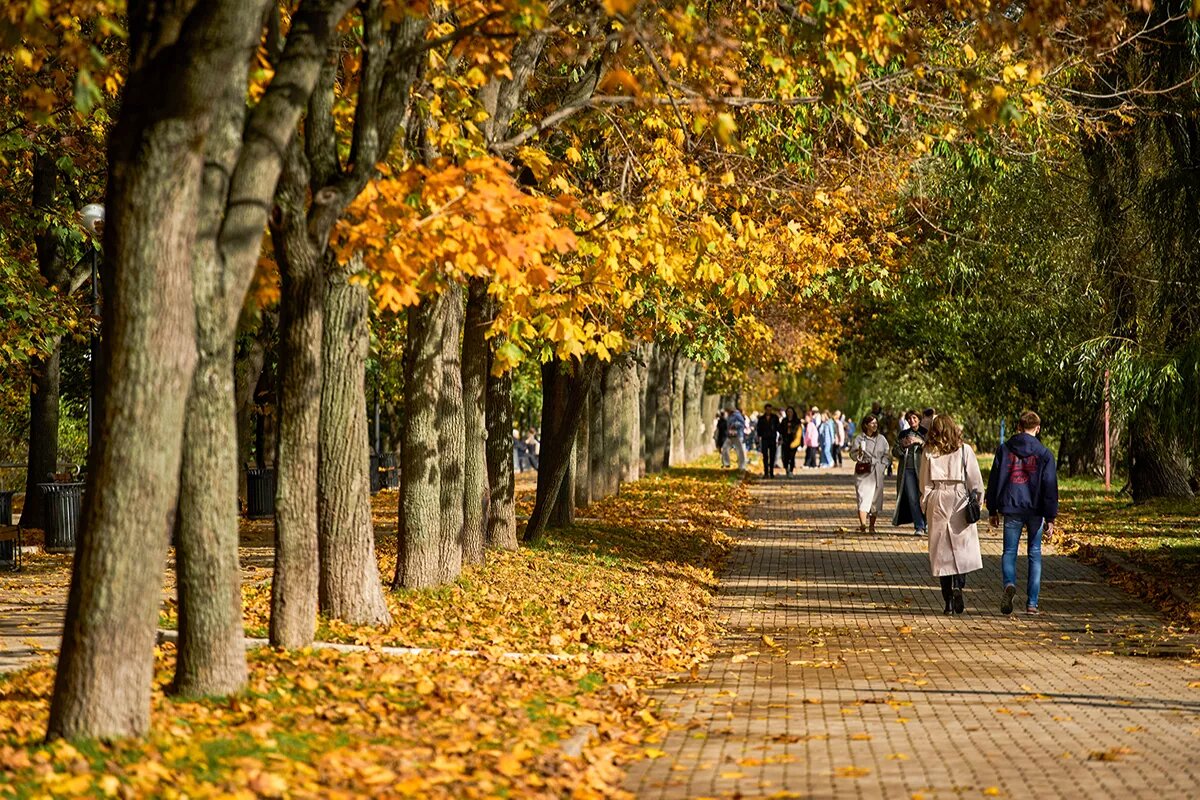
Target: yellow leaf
x,y
509,765
425,686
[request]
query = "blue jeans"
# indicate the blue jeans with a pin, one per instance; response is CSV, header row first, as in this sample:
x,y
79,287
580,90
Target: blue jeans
x,y
1013,527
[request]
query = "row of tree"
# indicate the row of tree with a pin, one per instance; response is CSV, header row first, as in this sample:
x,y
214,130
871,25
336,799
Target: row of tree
x,y
624,193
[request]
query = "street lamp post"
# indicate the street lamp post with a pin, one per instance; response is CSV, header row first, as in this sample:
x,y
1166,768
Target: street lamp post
x,y
92,217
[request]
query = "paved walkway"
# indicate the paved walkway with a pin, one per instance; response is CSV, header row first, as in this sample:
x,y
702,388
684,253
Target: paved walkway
x,y
840,677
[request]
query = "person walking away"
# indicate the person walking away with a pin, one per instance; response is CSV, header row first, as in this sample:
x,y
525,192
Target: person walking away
x,y
827,435
768,435
789,428
518,451
1023,488
871,456
812,441
720,434
735,437
908,493
949,473
533,448
839,438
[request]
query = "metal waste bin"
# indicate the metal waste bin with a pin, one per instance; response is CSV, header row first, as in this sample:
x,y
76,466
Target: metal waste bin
x,y
376,476
64,510
260,492
6,547
389,465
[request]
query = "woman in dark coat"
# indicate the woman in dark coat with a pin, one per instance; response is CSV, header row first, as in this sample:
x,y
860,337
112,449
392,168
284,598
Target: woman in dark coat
x,y
908,491
789,426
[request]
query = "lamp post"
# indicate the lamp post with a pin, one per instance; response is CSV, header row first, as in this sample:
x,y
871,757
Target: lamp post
x,y
92,218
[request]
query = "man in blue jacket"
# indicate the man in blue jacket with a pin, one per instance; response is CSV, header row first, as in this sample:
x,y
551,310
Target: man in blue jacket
x,y
1023,486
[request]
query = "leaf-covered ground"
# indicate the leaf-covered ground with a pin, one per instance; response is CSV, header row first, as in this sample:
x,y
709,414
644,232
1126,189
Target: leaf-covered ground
x,y
625,594
1152,549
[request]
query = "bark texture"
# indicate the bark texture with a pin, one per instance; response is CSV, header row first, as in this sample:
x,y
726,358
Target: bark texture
x,y
148,355
349,589
419,560
474,387
450,442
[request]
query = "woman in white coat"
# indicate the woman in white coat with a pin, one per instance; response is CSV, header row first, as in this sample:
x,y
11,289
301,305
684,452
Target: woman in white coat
x,y
871,456
949,473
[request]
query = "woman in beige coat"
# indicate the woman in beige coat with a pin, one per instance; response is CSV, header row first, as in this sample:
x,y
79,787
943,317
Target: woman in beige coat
x,y
949,471
871,459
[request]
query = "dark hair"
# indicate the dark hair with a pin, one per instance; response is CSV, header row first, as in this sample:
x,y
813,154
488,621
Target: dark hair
x,y
790,410
929,412
1030,420
867,420
944,436
912,413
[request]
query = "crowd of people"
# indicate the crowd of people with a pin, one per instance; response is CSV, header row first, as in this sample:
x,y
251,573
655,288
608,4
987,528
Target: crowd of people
x,y
780,436
940,491
527,449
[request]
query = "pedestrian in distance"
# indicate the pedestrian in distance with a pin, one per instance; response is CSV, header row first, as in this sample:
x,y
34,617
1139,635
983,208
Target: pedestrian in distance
x,y
908,493
827,435
720,434
949,477
812,440
871,456
768,436
789,432
839,440
1023,488
533,449
735,437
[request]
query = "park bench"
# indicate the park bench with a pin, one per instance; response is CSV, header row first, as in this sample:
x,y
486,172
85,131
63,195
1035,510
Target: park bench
x,y
11,533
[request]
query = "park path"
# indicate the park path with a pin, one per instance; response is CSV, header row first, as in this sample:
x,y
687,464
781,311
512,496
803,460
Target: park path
x,y
839,676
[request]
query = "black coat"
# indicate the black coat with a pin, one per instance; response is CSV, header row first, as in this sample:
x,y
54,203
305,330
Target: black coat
x,y
722,430
768,430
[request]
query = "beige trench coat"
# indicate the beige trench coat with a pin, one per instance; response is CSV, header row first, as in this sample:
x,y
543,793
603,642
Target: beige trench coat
x,y
953,542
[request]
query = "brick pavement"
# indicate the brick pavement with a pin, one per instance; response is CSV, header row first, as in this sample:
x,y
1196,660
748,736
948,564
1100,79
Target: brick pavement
x,y
840,677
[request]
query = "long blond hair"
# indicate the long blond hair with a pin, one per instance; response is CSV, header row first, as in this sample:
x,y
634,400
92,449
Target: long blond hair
x,y
944,436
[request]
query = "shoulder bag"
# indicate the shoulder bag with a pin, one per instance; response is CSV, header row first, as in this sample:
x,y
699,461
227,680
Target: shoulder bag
x,y
973,509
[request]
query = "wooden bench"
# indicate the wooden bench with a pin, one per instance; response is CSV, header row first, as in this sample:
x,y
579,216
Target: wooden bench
x,y
11,533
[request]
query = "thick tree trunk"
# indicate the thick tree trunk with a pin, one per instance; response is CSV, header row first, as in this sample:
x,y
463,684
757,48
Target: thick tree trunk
x,y
349,589
1158,466
418,562
626,419
678,446
661,394
294,590
148,354
564,385
563,513
44,376
611,426
474,386
501,517
452,446
651,448
212,653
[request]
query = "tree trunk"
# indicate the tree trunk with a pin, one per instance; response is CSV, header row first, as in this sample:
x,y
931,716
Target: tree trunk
x,y
349,587
563,513
452,447
610,424
294,590
501,517
474,385
44,371
148,354
581,471
594,420
626,419
44,376
212,652
662,392
1158,466
564,385
678,447
417,564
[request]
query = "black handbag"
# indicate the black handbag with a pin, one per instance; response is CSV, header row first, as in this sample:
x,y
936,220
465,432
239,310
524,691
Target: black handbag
x,y
973,510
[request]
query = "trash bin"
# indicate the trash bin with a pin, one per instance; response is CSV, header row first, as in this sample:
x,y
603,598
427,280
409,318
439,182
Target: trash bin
x,y
389,465
260,492
376,482
64,510
6,548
